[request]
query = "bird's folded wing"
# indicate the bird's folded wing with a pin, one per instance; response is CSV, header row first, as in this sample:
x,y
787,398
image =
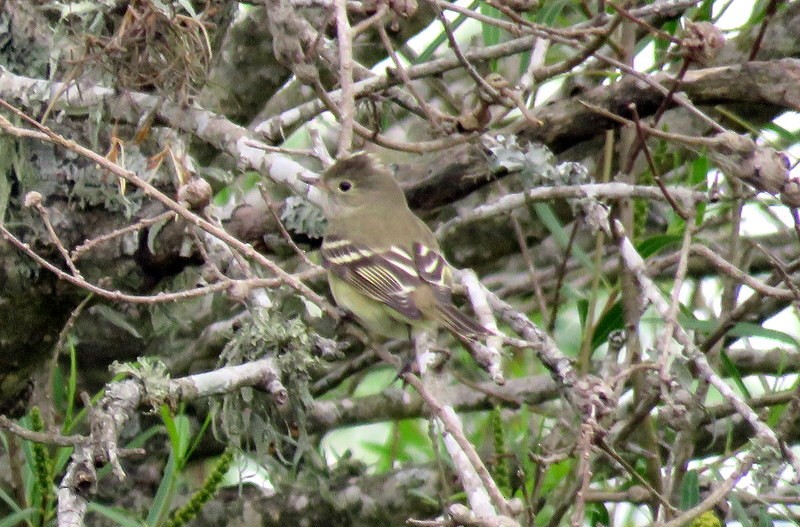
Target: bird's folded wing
x,y
433,269
388,276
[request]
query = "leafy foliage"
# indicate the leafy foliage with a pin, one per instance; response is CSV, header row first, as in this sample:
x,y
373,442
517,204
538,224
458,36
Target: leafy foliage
x,y
503,101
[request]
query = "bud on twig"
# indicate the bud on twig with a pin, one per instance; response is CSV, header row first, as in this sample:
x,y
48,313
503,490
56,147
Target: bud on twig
x,y
196,194
702,42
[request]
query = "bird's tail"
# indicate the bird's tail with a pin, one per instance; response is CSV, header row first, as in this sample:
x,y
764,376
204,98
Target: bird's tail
x,y
460,324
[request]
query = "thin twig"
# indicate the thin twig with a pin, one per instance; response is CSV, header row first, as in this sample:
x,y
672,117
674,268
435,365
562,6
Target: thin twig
x,y
714,497
546,72
724,266
40,437
401,71
670,319
54,237
615,190
157,298
769,12
453,429
465,63
643,23
280,149
610,452
650,291
642,141
347,107
402,146
560,276
531,267
288,237
375,20
87,245
780,270
46,134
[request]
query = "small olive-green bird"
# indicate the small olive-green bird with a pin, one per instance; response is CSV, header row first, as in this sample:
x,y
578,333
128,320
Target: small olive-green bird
x,y
384,264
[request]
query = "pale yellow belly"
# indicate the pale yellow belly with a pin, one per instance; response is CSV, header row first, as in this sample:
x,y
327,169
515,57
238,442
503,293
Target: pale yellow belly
x,y
374,316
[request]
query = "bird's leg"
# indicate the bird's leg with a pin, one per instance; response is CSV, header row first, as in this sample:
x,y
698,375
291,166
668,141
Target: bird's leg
x,y
348,321
424,355
409,364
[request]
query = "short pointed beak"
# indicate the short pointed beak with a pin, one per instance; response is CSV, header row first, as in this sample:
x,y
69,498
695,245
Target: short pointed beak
x,y
314,181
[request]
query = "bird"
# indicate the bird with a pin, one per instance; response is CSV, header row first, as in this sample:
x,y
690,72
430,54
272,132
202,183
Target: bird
x,y
384,264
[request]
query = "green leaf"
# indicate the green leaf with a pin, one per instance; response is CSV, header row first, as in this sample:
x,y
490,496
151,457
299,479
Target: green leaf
x,y
490,32
428,52
758,13
739,512
188,7
690,490
118,516
655,244
546,215
152,234
115,317
8,161
61,458
141,438
662,44
611,320
72,385
162,502
704,11
12,504
312,309
698,178
388,116
524,62
179,437
764,518
556,474
730,369
408,437
250,179
785,134
17,518
549,12
597,514
583,311
742,329
200,434
178,432
224,196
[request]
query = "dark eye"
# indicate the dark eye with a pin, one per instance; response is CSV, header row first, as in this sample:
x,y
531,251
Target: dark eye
x,y
344,186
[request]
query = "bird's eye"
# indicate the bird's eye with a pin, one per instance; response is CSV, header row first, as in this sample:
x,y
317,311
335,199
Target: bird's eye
x,y
344,186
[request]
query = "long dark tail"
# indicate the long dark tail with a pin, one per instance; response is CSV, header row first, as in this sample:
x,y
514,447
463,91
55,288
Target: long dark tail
x,y
460,324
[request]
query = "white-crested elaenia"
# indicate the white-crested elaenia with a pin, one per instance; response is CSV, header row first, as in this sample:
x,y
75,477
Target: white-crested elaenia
x,y
384,264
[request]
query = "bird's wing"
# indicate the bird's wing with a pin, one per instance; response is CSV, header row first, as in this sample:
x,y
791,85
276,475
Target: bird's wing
x,y
434,269
388,276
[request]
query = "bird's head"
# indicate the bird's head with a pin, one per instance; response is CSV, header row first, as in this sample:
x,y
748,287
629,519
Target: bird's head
x,y
358,181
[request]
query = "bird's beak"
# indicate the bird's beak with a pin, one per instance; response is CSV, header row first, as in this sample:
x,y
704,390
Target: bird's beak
x,y
314,181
